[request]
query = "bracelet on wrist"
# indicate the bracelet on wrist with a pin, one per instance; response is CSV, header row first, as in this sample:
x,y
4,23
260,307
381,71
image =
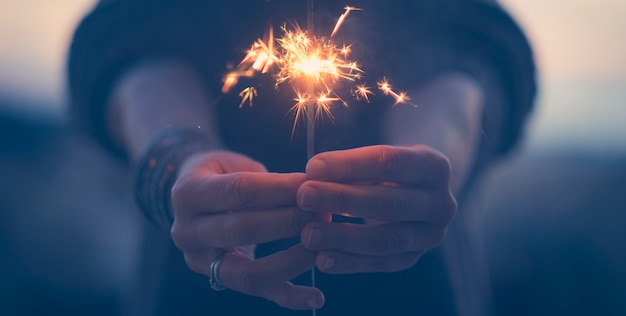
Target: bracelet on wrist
x,y
157,171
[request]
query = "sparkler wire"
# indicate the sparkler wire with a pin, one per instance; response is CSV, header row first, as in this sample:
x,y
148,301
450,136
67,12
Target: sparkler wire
x,y
310,110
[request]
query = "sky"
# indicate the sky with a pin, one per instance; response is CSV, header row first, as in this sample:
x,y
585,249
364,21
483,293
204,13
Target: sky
x,y
579,46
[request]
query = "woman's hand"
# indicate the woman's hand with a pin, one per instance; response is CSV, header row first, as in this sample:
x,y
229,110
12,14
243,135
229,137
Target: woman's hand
x,y
402,192
224,201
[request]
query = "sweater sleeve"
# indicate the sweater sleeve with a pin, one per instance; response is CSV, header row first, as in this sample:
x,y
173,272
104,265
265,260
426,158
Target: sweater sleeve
x,y
489,45
413,42
480,39
117,34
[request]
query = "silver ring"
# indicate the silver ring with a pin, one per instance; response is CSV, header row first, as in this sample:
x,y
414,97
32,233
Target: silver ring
x,y
214,277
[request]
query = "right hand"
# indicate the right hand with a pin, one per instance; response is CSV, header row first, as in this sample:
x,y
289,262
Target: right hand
x,y
224,201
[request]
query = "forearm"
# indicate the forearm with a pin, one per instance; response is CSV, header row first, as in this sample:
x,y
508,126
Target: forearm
x,y
155,96
448,119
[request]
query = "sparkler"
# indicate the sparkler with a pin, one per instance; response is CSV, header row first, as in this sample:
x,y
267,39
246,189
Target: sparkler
x,y
313,66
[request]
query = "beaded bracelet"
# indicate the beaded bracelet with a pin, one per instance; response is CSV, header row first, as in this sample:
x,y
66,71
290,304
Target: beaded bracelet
x,y
157,171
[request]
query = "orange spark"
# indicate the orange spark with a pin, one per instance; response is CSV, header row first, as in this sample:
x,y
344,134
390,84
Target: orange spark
x,y
362,92
247,94
342,19
229,82
323,103
259,58
299,109
400,97
305,61
346,50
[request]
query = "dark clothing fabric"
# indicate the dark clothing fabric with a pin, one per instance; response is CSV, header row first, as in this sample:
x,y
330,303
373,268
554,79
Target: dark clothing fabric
x,y
410,42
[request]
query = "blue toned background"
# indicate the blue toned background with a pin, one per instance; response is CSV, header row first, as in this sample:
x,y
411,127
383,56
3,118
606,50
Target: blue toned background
x,y
552,215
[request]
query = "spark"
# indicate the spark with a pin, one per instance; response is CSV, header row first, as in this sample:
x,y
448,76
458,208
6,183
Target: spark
x,y
230,81
306,57
247,94
323,103
299,109
387,89
259,58
346,50
342,19
298,58
362,92
308,62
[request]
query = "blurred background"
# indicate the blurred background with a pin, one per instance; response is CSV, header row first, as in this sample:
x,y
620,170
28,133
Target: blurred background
x,y
554,217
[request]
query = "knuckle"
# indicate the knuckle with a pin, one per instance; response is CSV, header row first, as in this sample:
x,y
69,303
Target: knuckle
x,y
237,187
178,235
338,201
295,220
389,160
338,240
178,194
376,265
396,204
342,266
184,235
245,282
233,232
450,207
342,202
442,165
281,298
256,166
440,237
407,262
193,263
391,242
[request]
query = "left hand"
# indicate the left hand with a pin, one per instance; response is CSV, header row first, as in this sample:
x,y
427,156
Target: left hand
x,y
402,192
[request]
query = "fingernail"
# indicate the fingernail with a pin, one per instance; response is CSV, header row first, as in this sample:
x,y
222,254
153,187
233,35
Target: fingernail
x,y
313,303
314,239
315,168
329,263
309,198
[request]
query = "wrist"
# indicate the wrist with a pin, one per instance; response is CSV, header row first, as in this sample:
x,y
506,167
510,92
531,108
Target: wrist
x,y
157,171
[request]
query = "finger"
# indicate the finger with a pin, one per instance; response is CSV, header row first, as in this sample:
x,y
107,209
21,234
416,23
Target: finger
x,y
294,297
254,277
415,166
343,263
377,201
220,162
374,240
194,194
241,228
